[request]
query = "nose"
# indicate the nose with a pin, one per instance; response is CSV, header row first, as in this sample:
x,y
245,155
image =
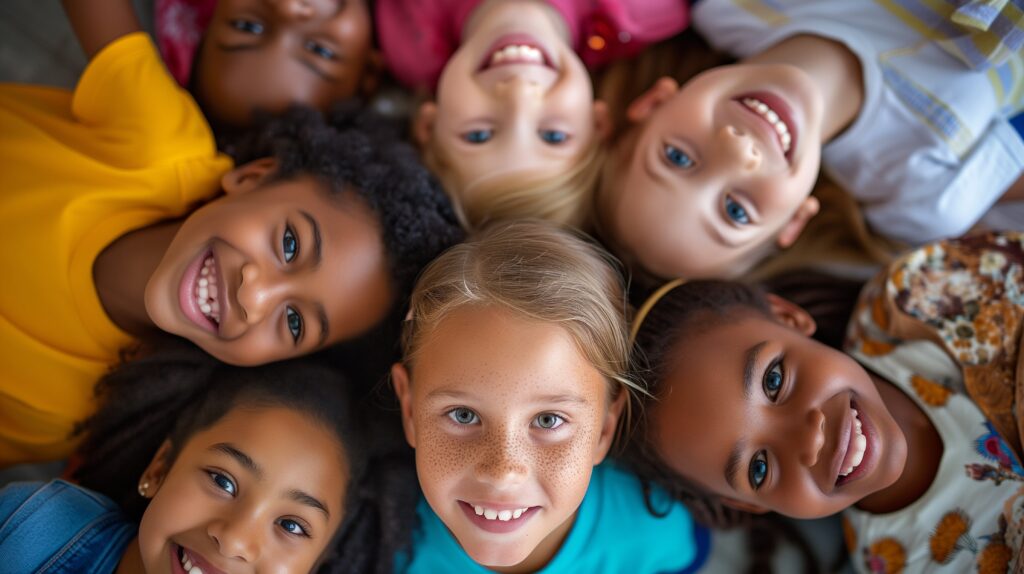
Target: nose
x,y
501,462
811,437
298,9
236,537
519,90
739,147
259,294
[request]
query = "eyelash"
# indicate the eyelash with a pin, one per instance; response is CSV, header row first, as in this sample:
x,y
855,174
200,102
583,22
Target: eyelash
x,y
759,464
553,137
559,421
678,158
304,530
319,50
736,212
477,137
293,320
289,244
247,26
452,414
215,479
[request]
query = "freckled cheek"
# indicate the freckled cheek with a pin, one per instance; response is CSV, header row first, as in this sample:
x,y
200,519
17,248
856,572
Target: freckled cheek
x,y
440,456
565,467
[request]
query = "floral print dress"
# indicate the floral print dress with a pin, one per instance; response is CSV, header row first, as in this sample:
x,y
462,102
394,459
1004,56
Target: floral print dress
x,y
943,324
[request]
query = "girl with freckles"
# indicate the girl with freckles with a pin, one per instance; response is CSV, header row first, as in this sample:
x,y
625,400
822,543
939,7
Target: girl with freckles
x,y
512,393
912,431
196,467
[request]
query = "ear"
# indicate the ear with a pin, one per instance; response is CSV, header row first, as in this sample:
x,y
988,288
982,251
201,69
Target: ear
x,y
609,426
602,120
744,506
400,380
642,107
791,230
423,123
791,314
371,73
153,477
247,177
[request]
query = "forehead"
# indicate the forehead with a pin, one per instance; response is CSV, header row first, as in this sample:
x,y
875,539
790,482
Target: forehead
x,y
493,352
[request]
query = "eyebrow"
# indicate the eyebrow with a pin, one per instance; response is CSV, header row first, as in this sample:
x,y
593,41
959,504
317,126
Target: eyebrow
x,y
309,500
317,240
732,464
240,457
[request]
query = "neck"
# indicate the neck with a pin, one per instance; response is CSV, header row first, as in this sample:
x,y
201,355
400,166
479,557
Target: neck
x,y
835,70
544,552
131,560
122,271
924,452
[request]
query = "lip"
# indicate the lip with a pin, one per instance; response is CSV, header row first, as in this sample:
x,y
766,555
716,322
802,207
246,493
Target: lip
x,y
186,294
497,526
785,113
870,460
517,39
196,559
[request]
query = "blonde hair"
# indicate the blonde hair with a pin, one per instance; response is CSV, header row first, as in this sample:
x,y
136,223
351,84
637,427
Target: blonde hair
x,y
564,197
540,272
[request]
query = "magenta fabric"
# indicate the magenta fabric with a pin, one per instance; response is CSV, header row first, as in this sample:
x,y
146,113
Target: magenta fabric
x,y
180,25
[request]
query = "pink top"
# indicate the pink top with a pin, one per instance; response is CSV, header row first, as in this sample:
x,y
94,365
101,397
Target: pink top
x,y
418,36
180,25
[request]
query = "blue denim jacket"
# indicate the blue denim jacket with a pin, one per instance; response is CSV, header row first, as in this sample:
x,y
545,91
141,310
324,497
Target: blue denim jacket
x,y
59,527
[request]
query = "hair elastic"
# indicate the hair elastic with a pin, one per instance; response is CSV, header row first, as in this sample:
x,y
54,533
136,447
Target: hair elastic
x,y
649,304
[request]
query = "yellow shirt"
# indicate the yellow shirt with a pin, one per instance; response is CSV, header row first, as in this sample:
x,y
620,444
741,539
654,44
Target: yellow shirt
x,y
126,149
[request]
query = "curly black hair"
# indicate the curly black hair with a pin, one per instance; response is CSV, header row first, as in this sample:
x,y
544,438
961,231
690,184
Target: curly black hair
x,y
180,390
355,149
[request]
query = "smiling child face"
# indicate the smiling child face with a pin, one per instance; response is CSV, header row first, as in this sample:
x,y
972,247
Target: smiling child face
x,y
715,169
273,269
261,490
508,420
268,54
513,98
755,411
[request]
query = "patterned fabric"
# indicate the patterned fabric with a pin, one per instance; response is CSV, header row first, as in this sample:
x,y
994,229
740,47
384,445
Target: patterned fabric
x,y
943,324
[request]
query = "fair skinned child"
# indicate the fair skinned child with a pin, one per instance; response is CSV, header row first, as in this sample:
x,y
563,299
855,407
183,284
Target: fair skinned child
x,y
513,129
142,227
243,56
242,470
511,393
715,174
909,431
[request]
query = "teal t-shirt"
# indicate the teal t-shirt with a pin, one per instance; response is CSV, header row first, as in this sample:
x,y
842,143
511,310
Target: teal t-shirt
x,y
614,533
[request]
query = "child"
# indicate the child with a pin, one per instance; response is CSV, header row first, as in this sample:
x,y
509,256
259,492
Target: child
x,y
255,468
914,433
717,173
114,192
240,56
514,130
511,391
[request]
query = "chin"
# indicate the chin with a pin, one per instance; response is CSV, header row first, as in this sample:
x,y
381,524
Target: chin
x,y
491,556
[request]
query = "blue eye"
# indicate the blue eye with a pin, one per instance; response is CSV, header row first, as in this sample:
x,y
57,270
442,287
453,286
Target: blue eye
x,y
463,416
758,470
289,245
478,136
773,379
320,50
736,212
549,421
224,483
678,157
247,26
292,527
554,136
294,323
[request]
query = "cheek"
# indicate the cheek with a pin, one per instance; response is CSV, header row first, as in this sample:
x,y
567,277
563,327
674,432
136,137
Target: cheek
x,y
439,456
565,467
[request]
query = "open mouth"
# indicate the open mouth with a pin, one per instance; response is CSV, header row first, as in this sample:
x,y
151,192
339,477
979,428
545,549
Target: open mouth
x,y
516,49
189,562
858,448
498,520
206,289
777,114
201,292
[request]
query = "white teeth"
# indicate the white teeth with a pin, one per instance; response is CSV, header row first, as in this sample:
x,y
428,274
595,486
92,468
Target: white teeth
x,y
762,109
858,445
502,515
187,564
206,290
521,53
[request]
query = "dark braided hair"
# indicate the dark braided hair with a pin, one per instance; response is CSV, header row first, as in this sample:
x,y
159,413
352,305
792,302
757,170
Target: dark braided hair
x,y
180,390
689,310
352,149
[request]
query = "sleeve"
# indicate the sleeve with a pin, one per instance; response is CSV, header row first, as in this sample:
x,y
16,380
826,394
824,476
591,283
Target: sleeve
x,y
128,97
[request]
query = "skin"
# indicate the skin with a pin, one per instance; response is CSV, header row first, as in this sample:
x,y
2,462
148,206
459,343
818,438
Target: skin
x,y
235,517
515,107
139,276
701,186
507,375
703,415
268,54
